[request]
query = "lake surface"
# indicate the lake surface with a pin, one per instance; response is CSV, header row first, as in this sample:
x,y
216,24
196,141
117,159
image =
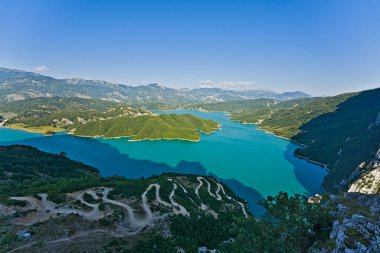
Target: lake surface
x,y
253,163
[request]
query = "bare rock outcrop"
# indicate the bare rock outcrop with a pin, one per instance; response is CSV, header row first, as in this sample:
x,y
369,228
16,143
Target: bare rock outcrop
x,y
356,226
369,180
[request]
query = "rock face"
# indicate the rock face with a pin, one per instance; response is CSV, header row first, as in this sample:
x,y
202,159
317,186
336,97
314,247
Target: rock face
x,y
357,224
377,121
369,181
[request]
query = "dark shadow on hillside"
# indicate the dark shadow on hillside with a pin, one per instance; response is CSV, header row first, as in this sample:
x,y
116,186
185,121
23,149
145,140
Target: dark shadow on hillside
x,y
105,157
111,162
344,138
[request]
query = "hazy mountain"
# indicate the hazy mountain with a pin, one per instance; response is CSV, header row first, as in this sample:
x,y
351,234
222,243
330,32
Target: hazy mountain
x,y
19,85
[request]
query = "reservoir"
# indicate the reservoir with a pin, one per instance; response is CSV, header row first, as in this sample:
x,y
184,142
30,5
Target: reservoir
x,y
253,163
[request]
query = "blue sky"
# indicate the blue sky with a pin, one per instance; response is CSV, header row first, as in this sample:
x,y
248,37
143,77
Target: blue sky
x,y
318,46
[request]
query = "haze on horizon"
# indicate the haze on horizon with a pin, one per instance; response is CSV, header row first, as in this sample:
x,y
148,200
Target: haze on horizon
x,y
319,47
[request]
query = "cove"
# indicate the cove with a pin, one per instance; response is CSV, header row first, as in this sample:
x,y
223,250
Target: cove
x,y
253,163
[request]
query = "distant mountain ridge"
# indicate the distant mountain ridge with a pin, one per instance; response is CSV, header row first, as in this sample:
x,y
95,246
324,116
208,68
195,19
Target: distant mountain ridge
x,y
20,85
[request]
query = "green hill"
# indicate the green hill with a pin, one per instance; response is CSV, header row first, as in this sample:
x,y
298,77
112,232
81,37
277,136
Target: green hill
x,y
89,117
165,126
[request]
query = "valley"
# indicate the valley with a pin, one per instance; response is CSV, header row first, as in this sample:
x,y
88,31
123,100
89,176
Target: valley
x,y
189,126
219,161
242,147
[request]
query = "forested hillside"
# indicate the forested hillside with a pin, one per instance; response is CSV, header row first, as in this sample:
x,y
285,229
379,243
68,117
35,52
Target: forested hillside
x,y
55,104
288,117
344,138
340,131
25,170
252,110
65,206
165,126
90,117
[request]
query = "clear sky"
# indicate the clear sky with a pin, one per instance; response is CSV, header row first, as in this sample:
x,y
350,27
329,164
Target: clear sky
x,y
321,47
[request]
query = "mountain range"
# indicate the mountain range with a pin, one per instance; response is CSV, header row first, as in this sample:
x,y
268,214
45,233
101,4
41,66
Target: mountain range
x,y
20,85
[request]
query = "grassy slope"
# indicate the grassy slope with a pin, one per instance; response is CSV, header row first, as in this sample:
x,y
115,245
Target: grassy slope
x,y
32,129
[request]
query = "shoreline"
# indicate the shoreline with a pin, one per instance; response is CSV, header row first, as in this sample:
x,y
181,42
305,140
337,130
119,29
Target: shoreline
x,y
131,136
58,130
279,136
249,123
118,137
149,139
325,167
166,139
184,139
312,161
133,140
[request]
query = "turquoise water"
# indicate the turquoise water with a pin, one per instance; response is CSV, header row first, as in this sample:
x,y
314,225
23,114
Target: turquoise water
x,y
253,163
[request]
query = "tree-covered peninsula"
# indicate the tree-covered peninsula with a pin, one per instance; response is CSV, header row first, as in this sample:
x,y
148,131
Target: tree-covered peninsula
x,y
90,118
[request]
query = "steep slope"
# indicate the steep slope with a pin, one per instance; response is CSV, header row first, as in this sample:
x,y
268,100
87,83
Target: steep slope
x,y
20,85
356,223
369,180
344,138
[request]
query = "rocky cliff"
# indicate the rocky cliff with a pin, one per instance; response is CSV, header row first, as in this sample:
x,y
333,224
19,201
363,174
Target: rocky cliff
x,y
356,226
369,180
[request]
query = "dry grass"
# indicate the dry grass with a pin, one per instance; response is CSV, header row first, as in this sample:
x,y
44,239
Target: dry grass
x,y
40,129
